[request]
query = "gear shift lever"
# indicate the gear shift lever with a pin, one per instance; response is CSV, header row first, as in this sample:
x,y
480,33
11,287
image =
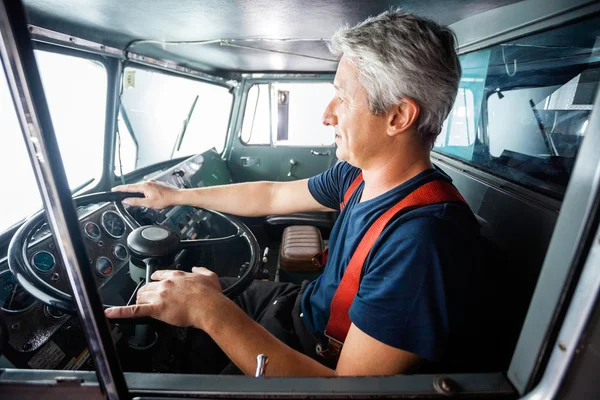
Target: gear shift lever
x,y
150,247
145,336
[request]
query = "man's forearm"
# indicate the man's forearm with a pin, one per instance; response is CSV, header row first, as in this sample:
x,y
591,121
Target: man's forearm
x,y
251,199
242,339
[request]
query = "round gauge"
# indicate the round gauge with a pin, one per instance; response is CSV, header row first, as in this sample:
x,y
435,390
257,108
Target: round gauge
x,y
104,267
113,224
43,261
92,230
120,252
13,298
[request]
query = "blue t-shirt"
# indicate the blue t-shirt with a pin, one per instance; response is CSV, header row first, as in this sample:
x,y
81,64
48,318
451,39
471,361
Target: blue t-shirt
x,y
414,285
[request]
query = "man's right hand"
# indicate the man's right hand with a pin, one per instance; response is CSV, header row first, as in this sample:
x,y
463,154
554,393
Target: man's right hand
x,y
157,194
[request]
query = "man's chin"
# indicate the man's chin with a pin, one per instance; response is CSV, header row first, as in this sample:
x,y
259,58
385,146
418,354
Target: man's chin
x,y
339,154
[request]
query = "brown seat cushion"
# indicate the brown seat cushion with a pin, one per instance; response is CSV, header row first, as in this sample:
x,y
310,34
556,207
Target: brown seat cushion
x,y
299,245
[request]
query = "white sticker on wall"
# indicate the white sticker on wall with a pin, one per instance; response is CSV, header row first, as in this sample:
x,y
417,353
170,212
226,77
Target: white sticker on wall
x,y
129,79
48,357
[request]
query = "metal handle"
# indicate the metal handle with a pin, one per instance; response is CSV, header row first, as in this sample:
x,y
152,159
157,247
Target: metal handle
x,y
320,153
293,163
151,266
261,365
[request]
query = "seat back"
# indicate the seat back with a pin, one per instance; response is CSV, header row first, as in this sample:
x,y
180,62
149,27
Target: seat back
x,y
516,233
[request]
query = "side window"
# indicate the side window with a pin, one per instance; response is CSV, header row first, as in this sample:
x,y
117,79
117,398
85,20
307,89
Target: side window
x,y
287,114
523,107
459,128
75,89
76,93
165,116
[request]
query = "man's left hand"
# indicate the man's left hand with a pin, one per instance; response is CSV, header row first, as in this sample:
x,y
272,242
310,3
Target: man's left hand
x,y
177,298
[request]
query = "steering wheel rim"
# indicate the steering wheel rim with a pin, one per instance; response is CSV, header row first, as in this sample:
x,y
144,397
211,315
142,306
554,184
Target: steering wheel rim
x,y
26,276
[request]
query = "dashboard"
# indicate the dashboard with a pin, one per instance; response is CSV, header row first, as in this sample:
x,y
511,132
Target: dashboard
x,y
42,337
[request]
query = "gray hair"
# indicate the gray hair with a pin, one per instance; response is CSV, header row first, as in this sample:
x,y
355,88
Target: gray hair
x,y
401,55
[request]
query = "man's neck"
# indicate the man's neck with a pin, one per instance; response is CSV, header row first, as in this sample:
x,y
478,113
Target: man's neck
x,y
392,172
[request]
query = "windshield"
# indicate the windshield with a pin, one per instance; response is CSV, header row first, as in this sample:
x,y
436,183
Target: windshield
x,y
75,89
188,117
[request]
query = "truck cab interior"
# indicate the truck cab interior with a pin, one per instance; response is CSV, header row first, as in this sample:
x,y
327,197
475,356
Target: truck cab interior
x,y
196,94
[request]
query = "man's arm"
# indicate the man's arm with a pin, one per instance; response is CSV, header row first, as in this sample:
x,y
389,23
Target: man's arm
x,y
195,299
251,199
242,339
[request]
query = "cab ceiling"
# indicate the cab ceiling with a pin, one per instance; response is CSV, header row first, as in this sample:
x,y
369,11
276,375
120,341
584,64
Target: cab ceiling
x,y
119,23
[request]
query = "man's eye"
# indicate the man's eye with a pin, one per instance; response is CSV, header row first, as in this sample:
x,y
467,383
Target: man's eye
x,y
340,99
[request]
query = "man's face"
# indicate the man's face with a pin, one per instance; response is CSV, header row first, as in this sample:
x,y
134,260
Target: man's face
x,y
358,132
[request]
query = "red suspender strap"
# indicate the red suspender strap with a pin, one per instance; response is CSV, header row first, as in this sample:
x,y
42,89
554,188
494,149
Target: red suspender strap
x,y
438,191
351,189
320,259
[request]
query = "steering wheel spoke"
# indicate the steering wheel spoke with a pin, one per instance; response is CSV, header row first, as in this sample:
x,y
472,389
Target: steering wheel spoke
x,y
188,243
129,220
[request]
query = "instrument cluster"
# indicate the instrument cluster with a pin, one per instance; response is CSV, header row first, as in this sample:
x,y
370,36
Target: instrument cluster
x,y
107,233
31,323
104,231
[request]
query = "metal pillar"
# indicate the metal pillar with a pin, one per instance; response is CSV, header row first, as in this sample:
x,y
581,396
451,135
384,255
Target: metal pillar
x,y
16,52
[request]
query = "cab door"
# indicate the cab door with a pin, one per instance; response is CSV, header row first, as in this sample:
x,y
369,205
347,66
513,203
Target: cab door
x,y
280,136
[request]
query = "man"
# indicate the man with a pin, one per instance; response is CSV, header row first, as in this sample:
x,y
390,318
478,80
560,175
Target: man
x,y
396,82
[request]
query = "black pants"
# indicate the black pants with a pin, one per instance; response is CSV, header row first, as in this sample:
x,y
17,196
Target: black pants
x,y
274,305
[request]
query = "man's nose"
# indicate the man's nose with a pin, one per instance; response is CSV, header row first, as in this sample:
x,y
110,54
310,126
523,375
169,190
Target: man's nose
x,y
329,118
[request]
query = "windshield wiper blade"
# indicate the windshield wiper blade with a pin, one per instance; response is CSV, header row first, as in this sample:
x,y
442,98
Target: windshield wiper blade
x,y
127,123
179,139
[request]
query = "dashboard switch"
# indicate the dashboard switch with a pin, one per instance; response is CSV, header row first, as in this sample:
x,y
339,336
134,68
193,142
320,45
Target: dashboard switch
x,y
53,313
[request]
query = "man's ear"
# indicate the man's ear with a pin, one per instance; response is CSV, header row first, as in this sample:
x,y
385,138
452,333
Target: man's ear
x,y
402,116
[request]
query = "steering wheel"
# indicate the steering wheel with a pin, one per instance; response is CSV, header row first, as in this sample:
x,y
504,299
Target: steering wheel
x,y
149,247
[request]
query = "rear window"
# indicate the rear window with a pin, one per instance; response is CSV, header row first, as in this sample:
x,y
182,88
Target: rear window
x,y
523,107
287,114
